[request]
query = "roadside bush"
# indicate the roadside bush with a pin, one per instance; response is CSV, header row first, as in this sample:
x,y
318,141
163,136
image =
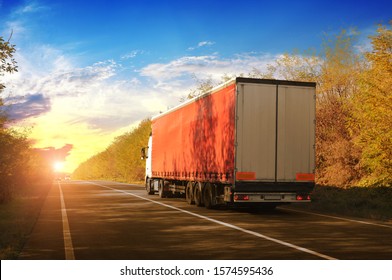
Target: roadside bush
x,y
14,157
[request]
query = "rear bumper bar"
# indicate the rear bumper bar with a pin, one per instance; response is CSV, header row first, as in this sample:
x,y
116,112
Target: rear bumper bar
x,y
270,197
278,187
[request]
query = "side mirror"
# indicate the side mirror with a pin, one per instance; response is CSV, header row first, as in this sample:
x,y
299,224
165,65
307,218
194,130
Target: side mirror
x,y
143,153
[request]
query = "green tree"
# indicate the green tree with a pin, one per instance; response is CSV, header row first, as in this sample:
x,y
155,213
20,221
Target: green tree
x,y
7,65
14,146
372,114
14,158
7,62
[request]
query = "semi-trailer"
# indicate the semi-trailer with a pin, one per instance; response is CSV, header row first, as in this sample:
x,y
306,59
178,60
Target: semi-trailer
x,y
246,142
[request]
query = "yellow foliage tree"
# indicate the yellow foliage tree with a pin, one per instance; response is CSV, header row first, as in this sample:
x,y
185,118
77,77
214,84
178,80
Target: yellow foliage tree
x,y
372,114
337,156
121,160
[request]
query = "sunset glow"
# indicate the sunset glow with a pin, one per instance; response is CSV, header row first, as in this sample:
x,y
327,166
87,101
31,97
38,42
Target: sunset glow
x,y
58,166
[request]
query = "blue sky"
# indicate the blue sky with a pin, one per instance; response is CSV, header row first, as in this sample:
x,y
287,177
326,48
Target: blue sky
x,y
93,69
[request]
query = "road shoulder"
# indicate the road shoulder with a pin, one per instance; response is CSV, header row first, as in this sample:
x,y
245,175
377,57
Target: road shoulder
x,y
46,240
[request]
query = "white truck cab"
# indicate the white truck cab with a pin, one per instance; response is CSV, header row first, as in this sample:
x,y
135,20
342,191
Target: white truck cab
x,y
146,154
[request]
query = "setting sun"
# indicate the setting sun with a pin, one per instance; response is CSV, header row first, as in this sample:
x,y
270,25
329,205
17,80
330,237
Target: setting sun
x,y
58,166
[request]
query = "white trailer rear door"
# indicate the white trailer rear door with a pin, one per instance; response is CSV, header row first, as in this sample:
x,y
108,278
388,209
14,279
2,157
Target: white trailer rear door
x,y
296,132
275,132
255,131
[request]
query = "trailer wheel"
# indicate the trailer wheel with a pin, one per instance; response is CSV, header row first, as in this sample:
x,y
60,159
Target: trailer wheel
x,y
189,193
209,196
150,187
197,194
161,189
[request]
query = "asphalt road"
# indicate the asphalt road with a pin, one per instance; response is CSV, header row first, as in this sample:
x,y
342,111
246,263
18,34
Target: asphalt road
x,y
113,221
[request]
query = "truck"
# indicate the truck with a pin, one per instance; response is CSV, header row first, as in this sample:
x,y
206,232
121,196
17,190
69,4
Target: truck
x,y
247,142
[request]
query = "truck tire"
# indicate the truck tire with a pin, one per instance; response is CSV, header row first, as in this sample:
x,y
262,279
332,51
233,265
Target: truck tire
x,y
209,196
198,194
189,193
150,187
161,189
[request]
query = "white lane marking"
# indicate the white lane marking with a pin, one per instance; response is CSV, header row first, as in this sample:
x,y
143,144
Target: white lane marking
x,y
338,218
68,247
226,224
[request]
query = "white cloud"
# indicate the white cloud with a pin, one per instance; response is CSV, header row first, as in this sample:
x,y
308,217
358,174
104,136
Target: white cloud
x,y
30,7
132,54
207,66
178,67
47,70
201,44
205,43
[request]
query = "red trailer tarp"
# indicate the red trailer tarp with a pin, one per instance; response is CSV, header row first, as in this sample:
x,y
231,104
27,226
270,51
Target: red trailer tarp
x,y
196,141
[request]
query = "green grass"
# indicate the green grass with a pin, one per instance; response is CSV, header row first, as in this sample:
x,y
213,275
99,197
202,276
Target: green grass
x,y
18,217
362,202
